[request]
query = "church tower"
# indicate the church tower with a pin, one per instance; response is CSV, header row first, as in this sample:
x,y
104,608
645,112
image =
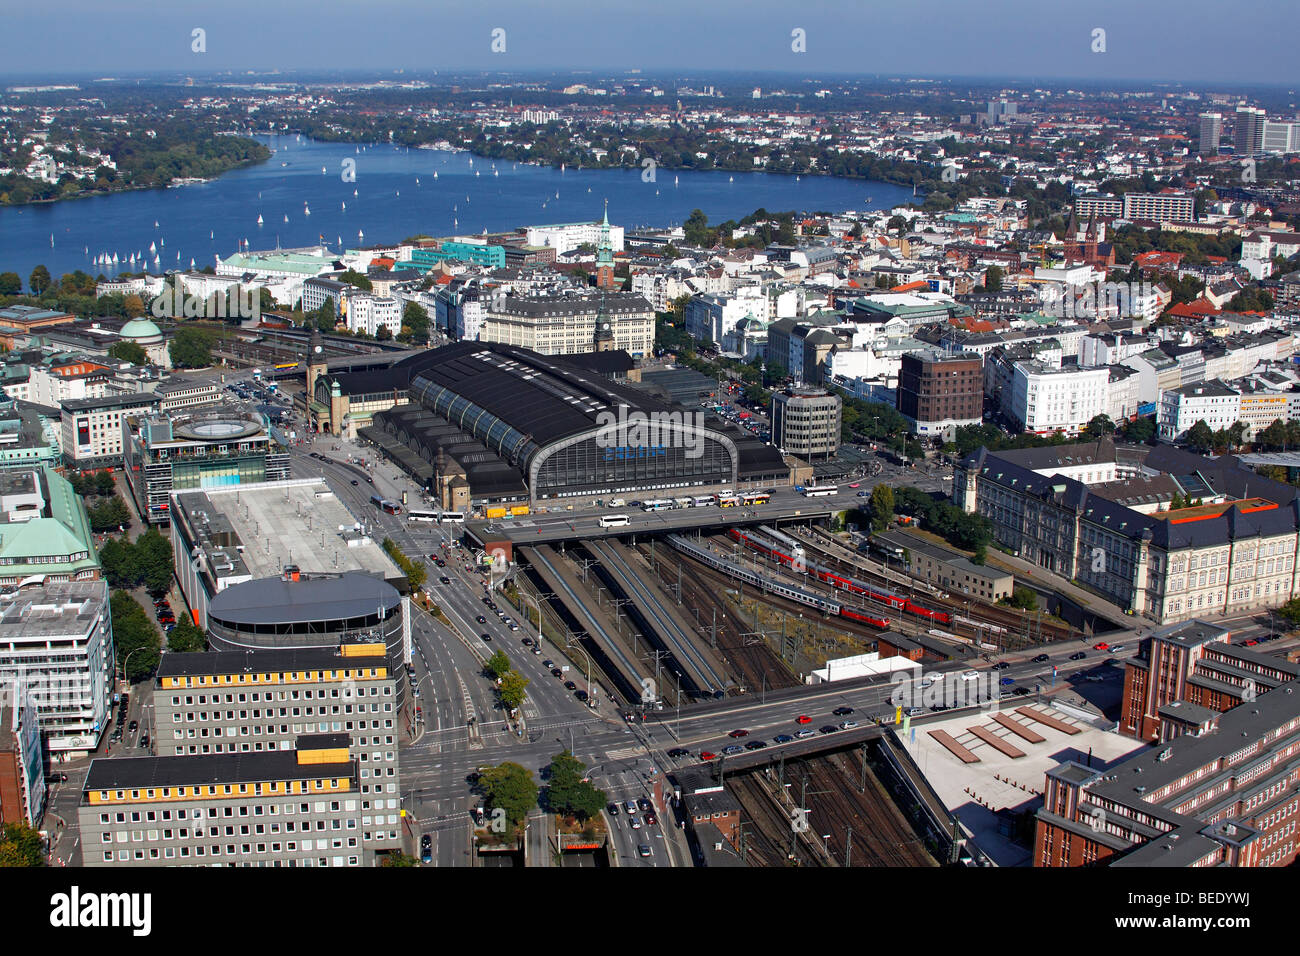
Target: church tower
x,y
605,256
604,338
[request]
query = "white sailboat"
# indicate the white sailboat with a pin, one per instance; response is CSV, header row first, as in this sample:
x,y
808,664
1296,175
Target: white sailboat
x,y
51,240
476,172
286,217
306,210
153,247
322,170
155,223
162,243
455,222
417,180
561,169
360,234
345,207
495,172
354,192
259,218
731,179
674,183
191,262
435,174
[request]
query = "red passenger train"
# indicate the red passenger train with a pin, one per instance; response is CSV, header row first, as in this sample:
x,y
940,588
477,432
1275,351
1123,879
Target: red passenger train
x,y
852,585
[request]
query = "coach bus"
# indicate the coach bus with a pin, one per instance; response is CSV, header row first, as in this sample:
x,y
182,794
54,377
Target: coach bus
x,y
614,521
820,491
421,515
385,505
451,517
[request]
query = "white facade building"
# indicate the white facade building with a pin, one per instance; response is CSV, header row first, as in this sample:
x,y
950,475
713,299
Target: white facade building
x,y
1045,400
370,313
1218,405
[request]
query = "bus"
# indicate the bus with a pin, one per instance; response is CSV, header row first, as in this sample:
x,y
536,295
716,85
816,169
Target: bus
x,y
683,502
755,498
729,501
451,517
385,505
419,514
657,504
820,491
703,501
614,521
284,365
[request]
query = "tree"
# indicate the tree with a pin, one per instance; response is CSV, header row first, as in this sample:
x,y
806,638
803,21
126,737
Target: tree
x,y
125,351
567,792
498,665
1100,426
398,858
186,637
1023,598
134,306
135,638
415,319
352,277
20,846
10,283
1141,430
39,281
117,559
511,788
1200,437
104,483
324,316
154,556
191,348
1291,611
993,279
882,507
110,515
383,334
512,691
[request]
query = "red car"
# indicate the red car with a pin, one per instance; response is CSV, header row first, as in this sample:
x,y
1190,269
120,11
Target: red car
x,y
708,755
854,485
803,719
1101,646
739,733
1250,643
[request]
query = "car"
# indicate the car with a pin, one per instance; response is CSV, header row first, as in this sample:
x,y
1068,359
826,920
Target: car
x,y
1007,680
613,809
679,752
739,733
1041,659
512,625
803,734
643,850
527,642
782,738
1101,646
803,719
134,724
426,852
1020,691
828,729
168,628
1250,643
1078,656
651,819
481,619
581,695
548,664
708,755
842,711
1116,648
556,672
1001,666
850,724
732,750
644,803
144,740
756,745
630,806
938,707
355,482
444,579
486,636
439,562
856,484
570,685
971,675
486,599
864,494
636,824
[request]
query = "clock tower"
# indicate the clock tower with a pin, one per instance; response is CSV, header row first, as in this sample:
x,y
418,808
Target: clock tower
x,y
315,364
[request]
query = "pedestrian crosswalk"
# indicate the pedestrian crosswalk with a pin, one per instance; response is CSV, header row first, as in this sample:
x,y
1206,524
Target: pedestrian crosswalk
x,y
622,753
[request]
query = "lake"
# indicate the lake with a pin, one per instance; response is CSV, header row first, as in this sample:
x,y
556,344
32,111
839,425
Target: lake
x,y
397,192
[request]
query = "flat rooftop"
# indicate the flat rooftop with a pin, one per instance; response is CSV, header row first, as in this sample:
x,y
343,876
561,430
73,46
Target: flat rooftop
x,y
57,609
997,779
300,522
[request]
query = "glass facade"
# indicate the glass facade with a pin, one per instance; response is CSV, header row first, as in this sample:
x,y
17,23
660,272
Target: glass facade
x,y
590,466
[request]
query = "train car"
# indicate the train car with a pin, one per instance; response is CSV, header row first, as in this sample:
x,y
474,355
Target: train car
x,y
855,614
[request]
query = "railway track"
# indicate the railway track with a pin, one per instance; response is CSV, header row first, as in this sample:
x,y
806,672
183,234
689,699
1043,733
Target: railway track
x,y
702,589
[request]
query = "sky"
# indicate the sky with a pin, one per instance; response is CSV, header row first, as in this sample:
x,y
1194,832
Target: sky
x,y
1198,42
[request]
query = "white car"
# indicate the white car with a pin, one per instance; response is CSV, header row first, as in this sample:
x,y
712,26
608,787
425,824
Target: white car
x,y
971,675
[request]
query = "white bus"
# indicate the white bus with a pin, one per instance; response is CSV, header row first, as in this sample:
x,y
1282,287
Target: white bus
x,y
704,501
658,504
419,514
683,502
452,517
614,521
820,491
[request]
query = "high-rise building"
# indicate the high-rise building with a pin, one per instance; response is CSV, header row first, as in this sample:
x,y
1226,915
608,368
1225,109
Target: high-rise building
x,y
1211,130
1248,136
940,392
22,761
1279,138
806,422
